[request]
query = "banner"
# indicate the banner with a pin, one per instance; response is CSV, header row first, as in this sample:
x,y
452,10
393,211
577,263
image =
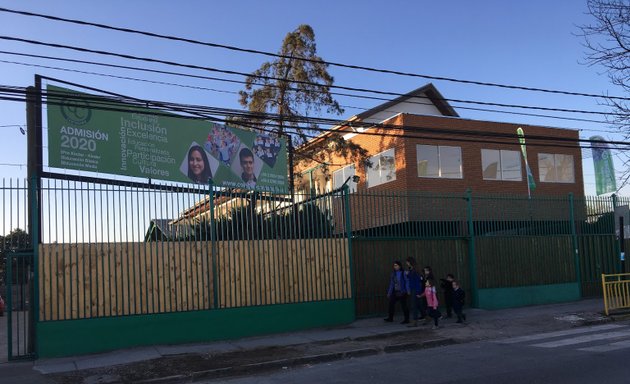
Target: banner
x,y
88,133
605,181
531,183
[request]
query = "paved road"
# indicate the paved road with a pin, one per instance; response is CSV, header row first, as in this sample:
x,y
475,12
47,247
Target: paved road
x,y
578,355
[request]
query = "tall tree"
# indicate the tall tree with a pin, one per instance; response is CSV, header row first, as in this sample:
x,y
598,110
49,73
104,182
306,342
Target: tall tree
x,y
292,86
607,41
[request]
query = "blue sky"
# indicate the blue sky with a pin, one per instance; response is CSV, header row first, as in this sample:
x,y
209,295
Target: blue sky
x,y
530,43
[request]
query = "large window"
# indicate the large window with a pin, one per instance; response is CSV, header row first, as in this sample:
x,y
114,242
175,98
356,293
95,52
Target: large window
x,y
439,161
383,168
341,175
501,165
556,168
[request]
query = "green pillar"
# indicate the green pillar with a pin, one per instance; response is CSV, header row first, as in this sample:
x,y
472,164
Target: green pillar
x,y
618,238
213,246
346,200
472,257
574,244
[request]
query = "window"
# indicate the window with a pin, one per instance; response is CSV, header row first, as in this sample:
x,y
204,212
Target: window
x,y
439,161
383,168
501,165
556,168
341,175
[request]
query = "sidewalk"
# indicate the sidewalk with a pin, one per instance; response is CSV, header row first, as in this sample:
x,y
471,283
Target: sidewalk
x,y
183,363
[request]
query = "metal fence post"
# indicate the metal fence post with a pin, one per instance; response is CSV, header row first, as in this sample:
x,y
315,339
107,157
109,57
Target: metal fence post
x,y
574,242
9,309
346,200
472,258
213,246
618,236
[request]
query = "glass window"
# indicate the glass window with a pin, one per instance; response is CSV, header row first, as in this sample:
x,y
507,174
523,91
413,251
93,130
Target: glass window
x,y
511,165
556,168
383,168
341,175
450,162
428,163
490,164
501,165
439,161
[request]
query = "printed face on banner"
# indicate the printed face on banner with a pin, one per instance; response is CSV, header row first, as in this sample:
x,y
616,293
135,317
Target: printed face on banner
x,y
90,133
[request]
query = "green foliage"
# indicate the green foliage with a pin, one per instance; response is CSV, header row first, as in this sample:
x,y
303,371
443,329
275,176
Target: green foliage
x,y
287,88
245,223
17,239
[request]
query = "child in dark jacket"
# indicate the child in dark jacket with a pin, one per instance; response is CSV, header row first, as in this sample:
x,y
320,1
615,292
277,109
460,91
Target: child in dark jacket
x,y
447,287
416,289
397,292
459,297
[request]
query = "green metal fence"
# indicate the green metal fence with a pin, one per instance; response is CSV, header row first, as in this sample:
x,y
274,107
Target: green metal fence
x,y
491,243
117,250
16,271
109,251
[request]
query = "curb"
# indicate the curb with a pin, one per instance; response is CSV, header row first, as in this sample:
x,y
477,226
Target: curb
x,y
292,362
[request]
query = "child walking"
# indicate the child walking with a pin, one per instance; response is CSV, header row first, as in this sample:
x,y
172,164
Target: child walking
x,y
432,302
447,287
459,297
397,292
416,288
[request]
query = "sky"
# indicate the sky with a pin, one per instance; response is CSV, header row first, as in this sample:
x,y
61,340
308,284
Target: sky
x,y
532,44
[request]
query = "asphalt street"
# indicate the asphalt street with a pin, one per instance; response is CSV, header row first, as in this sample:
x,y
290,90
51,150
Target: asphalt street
x,y
577,355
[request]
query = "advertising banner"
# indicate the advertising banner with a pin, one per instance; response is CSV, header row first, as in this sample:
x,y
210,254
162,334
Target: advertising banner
x,y
531,183
605,181
86,133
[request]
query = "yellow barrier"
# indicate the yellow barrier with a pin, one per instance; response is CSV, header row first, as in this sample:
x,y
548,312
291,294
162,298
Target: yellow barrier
x,y
616,290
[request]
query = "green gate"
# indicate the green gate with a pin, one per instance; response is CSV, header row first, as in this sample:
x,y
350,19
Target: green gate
x,y
19,301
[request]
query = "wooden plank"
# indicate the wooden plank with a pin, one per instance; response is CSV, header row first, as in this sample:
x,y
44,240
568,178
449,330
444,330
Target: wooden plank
x,y
134,278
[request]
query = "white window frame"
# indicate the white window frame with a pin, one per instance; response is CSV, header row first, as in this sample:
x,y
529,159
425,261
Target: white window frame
x,y
347,171
378,166
500,167
439,162
556,160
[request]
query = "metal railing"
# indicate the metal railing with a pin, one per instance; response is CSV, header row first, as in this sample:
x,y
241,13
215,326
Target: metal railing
x,y
616,288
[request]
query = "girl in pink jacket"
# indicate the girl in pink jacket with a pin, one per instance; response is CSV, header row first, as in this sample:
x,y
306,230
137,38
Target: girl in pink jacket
x,y
432,302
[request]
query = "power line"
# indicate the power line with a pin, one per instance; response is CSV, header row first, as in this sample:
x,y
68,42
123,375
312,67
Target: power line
x,y
332,63
198,67
117,76
243,82
508,139
196,109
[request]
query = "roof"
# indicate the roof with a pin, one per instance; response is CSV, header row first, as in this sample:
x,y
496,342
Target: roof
x,y
166,230
427,90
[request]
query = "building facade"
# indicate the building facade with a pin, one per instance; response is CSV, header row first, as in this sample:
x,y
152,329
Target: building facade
x,y
431,149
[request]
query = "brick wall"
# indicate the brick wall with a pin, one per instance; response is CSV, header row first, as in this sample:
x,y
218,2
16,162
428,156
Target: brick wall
x,y
406,164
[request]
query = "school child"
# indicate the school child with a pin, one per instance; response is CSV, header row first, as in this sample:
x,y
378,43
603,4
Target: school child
x,y
398,291
432,302
447,287
459,297
416,288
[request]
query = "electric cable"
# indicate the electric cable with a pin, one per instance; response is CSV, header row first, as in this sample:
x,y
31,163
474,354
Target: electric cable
x,y
242,82
198,67
332,63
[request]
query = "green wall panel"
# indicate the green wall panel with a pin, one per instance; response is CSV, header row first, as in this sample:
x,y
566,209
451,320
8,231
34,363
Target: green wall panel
x,y
497,298
77,337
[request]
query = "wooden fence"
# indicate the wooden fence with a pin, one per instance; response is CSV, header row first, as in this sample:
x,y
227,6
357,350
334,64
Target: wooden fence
x,y
81,281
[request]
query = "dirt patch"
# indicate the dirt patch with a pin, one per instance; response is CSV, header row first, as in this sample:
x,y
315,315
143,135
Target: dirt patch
x,y
184,367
